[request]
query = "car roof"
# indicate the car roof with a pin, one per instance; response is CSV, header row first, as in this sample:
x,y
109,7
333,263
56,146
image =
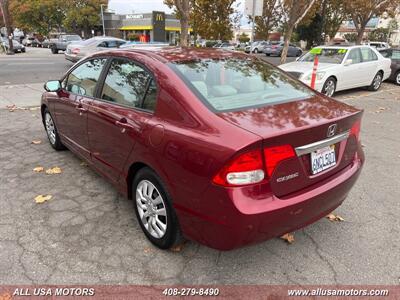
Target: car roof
x,y
175,54
341,46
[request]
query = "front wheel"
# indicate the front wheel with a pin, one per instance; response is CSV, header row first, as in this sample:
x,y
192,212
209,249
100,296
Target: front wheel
x,y
397,78
54,50
51,131
154,211
329,87
376,82
255,51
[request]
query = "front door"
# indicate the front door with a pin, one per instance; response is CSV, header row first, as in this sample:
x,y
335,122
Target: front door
x,y
350,74
75,98
117,119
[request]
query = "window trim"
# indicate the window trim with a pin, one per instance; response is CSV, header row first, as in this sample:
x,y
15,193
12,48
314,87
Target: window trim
x,y
103,77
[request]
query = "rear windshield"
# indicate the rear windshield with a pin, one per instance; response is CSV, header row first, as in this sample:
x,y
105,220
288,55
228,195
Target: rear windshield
x,y
73,38
235,84
325,55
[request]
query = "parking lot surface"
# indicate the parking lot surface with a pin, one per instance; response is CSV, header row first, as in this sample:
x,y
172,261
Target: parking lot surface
x,y
87,233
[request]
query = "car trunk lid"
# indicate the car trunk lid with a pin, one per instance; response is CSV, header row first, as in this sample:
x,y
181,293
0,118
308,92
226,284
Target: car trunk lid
x,y
307,126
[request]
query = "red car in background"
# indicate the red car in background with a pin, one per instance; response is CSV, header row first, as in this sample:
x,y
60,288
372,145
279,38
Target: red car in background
x,y
216,146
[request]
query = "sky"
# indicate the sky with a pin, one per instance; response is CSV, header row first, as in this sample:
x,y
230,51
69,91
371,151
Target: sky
x,y
142,6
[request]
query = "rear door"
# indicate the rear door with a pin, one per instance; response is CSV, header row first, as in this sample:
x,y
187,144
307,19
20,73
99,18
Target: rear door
x,y
369,65
119,114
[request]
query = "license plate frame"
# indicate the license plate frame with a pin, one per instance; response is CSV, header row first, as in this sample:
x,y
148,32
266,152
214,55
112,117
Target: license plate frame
x,y
322,159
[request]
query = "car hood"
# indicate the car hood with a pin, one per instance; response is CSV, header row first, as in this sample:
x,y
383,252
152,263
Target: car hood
x,y
305,67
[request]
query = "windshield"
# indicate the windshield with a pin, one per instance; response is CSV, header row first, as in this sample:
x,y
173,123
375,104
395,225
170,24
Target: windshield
x,y
73,38
325,55
237,83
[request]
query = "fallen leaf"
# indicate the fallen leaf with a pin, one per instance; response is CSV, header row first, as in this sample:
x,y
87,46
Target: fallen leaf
x,y
36,142
42,198
288,237
84,164
55,170
148,250
333,217
38,169
178,248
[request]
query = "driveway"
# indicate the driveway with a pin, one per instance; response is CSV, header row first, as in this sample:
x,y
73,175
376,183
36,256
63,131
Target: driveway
x,y
87,233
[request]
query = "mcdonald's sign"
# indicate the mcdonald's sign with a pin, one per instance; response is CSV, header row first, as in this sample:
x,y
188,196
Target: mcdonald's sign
x,y
159,26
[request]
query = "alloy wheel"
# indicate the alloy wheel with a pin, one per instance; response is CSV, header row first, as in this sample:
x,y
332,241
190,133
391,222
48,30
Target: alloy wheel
x,y
329,88
151,208
377,81
398,78
50,128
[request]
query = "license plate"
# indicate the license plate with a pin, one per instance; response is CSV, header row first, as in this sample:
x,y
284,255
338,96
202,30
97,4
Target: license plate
x,y
323,159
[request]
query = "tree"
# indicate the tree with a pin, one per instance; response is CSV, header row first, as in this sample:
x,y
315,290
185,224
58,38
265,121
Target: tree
x,y
350,37
334,13
269,19
243,38
211,19
361,11
183,10
293,12
38,15
311,32
4,5
379,35
83,15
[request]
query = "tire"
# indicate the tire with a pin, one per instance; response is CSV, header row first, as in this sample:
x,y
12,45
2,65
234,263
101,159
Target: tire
x,y
23,50
376,82
267,54
329,87
299,53
51,130
54,50
165,231
397,78
255,51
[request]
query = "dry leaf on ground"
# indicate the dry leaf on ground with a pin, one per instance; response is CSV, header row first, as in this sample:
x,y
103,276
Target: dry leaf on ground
x,y
42,198
178,248
36,142
84,164
333,217
288,237
55,170
38,169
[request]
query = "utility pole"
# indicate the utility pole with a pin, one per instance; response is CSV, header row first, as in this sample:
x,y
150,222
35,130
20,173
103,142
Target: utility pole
x,y
7,24
102,18
253,19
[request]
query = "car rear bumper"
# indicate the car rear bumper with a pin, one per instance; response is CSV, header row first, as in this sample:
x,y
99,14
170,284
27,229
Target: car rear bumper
x,y
251,220
71,57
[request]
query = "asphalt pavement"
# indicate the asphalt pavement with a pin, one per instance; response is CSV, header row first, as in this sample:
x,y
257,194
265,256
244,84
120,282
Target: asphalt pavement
x,y
88,234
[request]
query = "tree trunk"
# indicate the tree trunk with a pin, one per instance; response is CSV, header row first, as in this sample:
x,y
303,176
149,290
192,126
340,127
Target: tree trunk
x,y
7,24
288,34
360,34
184,32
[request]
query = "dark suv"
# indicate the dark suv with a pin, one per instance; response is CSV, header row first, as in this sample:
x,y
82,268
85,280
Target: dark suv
x,y
394,55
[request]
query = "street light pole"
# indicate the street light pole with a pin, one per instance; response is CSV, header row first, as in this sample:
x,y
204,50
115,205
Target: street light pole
x,y
253,19
102,19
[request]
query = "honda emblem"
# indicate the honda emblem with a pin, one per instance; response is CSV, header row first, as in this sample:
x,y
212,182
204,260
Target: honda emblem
x,y
331,130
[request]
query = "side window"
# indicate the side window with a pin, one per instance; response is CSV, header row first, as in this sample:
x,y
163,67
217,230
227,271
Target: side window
x,y
112,44
103,45
126,83
355,56
83,79
150,99
385,53
368,55
396,54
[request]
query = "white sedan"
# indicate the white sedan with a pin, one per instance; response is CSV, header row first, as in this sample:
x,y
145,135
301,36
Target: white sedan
x,y
341,68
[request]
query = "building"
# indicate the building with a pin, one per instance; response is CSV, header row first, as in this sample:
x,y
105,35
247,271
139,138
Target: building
x,y
156,26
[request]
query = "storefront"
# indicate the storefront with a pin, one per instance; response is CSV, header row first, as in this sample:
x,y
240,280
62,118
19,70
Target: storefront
x,y
151,27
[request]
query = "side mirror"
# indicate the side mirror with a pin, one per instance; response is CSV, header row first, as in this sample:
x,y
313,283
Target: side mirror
x,y
348,62
52,86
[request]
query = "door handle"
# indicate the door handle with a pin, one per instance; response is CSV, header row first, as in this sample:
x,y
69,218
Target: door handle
x,y
80,108
124,124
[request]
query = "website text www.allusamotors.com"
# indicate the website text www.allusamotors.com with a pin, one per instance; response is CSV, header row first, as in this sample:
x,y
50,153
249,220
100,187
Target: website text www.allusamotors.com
x,y
339,292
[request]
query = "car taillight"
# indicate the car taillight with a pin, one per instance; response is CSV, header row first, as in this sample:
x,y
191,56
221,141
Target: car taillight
x,y
355,130
273,46
76,51
247,168
274,155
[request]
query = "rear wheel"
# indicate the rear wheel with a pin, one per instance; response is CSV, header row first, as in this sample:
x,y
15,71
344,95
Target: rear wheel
x,y
154,211
397,78
255,51
54,50
376,82
329,87
299,53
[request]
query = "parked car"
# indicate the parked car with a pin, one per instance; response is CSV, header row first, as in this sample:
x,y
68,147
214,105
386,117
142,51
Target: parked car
x,y
225,46
63,41
76,51
46,43
256,47
378,45
222,148
341,68
31,42
17,47
275,48
394,55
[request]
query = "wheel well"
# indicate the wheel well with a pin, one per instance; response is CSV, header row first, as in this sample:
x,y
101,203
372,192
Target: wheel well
x,y
381,71
133,169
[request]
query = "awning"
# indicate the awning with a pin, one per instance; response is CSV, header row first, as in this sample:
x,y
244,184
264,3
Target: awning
x,y
137,27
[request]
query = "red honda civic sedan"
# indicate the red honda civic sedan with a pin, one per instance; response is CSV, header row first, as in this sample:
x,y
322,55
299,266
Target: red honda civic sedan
x,y
216,146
